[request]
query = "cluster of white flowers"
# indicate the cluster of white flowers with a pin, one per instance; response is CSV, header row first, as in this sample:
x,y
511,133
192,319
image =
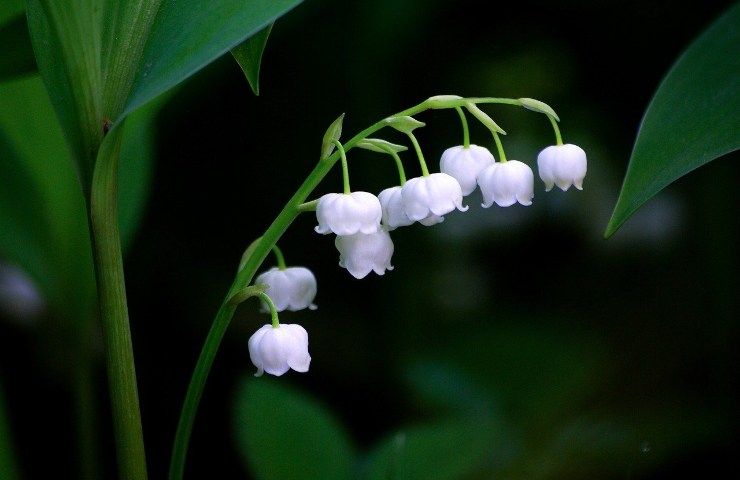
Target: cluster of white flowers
x,y
362,221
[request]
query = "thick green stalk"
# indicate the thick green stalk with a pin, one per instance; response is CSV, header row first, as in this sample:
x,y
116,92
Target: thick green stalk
x,y
114,312
258,252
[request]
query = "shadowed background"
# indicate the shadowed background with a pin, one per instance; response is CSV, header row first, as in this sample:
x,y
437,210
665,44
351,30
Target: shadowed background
x,y
554,353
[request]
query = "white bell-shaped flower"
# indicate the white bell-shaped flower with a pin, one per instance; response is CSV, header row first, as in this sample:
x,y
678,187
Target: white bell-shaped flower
x,y
348,213
362,253
394,215
276,350
464,164
507,183
427,199
292,288
562,165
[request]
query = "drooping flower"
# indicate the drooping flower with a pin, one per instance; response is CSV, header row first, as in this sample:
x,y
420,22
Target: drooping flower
x,y
292,288
394,215
276,350
506,183
426,199
464,165
348,213
362,253
562,165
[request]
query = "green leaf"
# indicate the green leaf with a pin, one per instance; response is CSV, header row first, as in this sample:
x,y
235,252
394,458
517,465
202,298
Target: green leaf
x,y
187,35
43,222
449,450
484,118
67,47
283,434
17,58
405,123
692,119
8,467
44,194
249,57
332,134
380,146
537,106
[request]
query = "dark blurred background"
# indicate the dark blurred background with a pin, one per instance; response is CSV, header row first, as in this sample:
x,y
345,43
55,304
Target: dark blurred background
x,y
592,358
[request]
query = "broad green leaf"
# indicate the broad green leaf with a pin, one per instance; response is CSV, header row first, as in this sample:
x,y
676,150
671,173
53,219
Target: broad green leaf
x,y
8,467
23,227
249,57
449,450
283,434
692,119
187,35
66,40
332,134
50,188
17,58
43,222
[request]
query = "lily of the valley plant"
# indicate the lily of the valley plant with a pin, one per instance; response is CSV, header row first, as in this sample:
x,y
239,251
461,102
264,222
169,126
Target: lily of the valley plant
x,y
362,222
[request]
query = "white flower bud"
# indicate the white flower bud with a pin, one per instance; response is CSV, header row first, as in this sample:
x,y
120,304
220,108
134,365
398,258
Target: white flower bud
x,y
562,165
464,164
360,253
427,199
507,183
394,215
276,350
348,213
291,289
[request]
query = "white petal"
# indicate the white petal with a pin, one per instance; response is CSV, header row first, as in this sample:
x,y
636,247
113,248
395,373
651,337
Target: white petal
x,y
298,358
360,254
273,348
563,165
436,194
254,353
506,183
464,165
394,215
347,214
302,288
291,289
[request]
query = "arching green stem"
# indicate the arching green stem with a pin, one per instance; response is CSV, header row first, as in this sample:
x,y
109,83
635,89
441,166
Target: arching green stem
x,y
499,146
279,258
345,167
273,311
466,131
558,138
417,148
251,263
399,166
